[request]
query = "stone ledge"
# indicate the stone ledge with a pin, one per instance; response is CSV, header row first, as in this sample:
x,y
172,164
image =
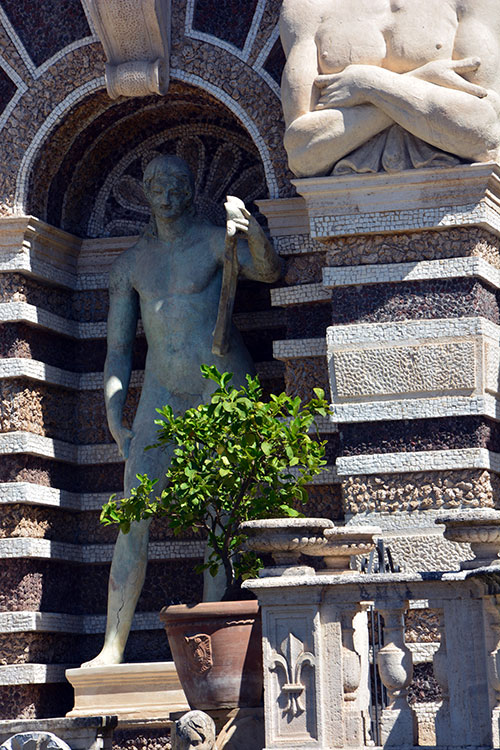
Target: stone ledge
x,y
391,273
26,621
426,199
38,445
32,674
299,295
417,461
46,549
32,369
418,408
410,330
30,245
295,348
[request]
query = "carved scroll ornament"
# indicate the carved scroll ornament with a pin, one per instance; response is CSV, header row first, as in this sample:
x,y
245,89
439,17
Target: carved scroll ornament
x,y
135,35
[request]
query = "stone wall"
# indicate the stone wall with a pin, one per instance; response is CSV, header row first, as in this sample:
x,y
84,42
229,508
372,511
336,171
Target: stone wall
x,y
72,161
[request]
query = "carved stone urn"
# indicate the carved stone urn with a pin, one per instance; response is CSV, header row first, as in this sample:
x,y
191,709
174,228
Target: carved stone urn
x,y
285,539
217,650
480,529
342,543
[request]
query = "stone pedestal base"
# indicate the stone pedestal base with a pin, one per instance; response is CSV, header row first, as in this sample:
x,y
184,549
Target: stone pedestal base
x,y
129,691
398,727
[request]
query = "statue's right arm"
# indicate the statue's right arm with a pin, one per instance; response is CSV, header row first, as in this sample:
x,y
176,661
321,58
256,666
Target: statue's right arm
x,y
122,324
316,140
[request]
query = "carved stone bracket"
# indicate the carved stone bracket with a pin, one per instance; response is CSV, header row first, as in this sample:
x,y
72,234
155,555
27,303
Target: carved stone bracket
x,y
292,659
135,35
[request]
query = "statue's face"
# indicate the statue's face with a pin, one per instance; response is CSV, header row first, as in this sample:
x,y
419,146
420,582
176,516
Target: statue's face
x,y
191,739
169,195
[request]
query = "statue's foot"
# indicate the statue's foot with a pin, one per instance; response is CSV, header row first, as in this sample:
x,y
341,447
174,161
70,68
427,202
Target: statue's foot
x,y
106,658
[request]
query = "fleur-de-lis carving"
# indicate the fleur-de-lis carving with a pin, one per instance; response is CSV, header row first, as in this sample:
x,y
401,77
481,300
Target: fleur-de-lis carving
x,y
291,659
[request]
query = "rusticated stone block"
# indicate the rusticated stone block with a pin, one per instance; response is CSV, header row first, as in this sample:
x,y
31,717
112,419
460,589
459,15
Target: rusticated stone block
x,y
423,687
414,300
390,493
324,501
405,369
39,648
50,473
308,321
38,408
422,626
141,739
71,649
73,588
402,247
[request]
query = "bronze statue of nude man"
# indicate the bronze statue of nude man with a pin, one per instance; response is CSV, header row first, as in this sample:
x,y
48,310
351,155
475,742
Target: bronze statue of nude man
x,y
426,73
173,276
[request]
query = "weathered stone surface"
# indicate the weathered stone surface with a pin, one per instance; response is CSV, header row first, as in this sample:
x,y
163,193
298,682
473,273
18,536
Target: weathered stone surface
x,y
403,247
358,122
410,369
421,491
304,374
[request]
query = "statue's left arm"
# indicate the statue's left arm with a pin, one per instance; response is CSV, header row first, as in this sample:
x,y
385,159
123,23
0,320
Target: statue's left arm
x,y
257,258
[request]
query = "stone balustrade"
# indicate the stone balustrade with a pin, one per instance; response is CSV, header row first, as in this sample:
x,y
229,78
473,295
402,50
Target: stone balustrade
x,y
316,656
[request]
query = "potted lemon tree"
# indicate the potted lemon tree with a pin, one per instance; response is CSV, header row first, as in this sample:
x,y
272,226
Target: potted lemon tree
x,y
236,458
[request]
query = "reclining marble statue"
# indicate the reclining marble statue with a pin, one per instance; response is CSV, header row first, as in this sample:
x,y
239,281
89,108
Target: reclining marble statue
x,y
173,275
385,85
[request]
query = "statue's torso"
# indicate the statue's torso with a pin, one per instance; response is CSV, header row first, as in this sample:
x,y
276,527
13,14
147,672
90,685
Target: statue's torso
x,y
400,35
179,286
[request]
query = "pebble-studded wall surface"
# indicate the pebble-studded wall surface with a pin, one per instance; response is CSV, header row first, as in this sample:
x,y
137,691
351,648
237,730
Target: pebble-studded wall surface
x,y
71,200
73,158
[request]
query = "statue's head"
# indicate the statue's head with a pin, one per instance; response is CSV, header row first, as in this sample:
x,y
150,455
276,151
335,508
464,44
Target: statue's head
x,y
168,186
195,729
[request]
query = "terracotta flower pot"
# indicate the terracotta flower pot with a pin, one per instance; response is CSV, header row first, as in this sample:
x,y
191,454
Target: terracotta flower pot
x,y
216,647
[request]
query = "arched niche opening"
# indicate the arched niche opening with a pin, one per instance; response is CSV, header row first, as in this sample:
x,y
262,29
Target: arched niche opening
x,y
87,175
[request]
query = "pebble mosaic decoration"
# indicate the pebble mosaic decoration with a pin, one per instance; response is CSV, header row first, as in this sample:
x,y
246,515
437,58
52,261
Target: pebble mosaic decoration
x,y
7,89
58,23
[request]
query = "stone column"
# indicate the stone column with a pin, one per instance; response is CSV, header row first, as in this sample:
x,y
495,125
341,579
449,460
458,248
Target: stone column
x,y
440,663
405,309
394,661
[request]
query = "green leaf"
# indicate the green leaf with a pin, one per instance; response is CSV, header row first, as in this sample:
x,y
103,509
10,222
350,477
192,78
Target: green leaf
x,y
266,448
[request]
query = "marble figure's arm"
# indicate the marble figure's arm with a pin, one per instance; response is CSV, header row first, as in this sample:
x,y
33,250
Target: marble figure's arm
x,y
122,324
454,114
316,139
257,258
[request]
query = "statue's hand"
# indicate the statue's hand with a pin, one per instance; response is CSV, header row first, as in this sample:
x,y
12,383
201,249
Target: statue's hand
x,y
449,74
238,219
348,88
123,437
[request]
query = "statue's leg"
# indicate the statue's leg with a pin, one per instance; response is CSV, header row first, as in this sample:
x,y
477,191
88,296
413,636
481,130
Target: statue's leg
x,y
130,556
